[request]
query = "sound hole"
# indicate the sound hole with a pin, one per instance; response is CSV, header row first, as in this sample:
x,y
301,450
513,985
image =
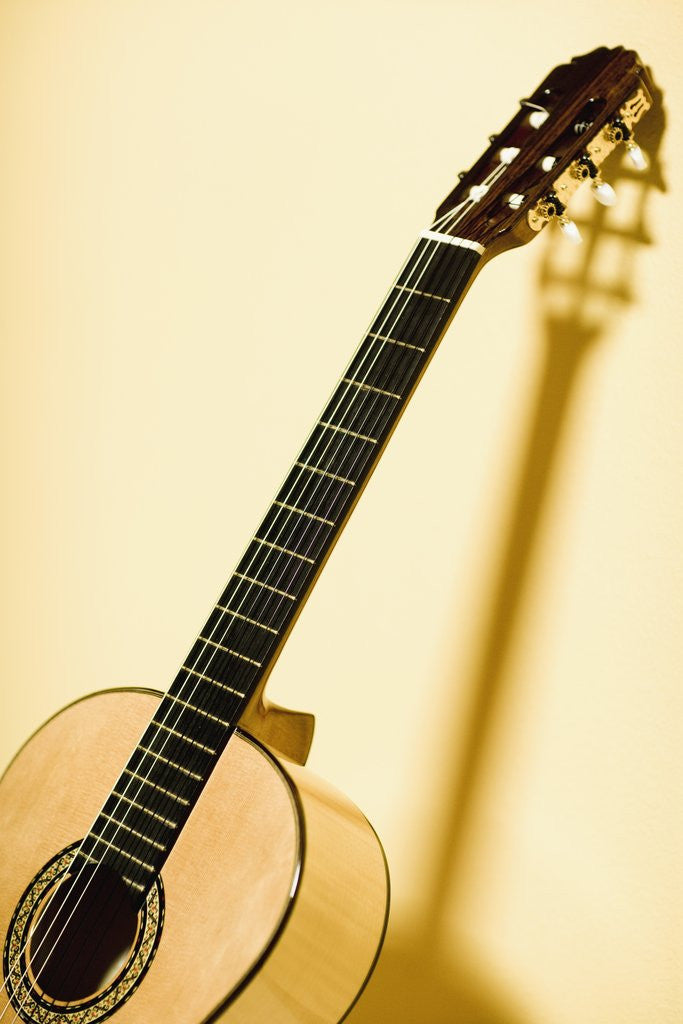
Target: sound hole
x,y
84,936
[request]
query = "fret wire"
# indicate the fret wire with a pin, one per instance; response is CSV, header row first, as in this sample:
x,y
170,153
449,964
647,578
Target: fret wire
x,y
172,764
229,650
133,831
361,437
323,472
167,792
130,856
302,512
266,586
80,852
285,551
395,341
141,807
208,679
180,735
245,618
369,387
199,711
427,295
136,885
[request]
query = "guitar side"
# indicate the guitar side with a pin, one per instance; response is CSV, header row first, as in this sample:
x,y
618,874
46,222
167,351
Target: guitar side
x,y
275,897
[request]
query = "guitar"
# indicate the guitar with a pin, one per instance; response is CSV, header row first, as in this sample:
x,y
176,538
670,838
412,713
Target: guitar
x,y
169,856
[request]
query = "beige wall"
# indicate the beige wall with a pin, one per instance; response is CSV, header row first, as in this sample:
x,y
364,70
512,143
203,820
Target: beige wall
x,y
200,206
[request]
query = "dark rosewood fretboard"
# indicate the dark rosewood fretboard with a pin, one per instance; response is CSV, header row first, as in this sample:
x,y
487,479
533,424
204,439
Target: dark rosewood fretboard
x,y
153,797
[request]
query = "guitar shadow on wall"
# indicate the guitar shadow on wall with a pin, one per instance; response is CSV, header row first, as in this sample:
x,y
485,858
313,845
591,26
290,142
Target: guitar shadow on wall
x,y
424,976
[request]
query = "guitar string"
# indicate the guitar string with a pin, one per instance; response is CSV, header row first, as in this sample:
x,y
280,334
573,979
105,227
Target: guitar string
x,y
445,218
409,257
451,216
442,291
138,792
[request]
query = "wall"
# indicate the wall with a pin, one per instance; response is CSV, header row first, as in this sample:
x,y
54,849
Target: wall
x,y
200,207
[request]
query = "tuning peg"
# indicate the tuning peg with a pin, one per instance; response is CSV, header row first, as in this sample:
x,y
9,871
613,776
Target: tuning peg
x,y
636,155
569,230
603,192
508,154
538,117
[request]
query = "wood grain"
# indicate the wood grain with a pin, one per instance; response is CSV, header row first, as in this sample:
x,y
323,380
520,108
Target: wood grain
x,y
275,891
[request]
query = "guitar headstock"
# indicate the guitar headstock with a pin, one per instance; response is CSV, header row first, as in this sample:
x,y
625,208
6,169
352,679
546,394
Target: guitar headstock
x,y
558,139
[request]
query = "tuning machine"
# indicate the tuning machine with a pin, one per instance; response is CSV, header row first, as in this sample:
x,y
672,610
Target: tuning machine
x,y
618,131
597,146
551,208
584,169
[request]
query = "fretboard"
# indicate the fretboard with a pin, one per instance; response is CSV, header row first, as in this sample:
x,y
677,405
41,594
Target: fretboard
x,y
243,635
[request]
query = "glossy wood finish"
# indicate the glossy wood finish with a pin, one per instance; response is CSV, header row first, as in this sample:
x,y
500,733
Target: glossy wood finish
x,y
276,891
605,78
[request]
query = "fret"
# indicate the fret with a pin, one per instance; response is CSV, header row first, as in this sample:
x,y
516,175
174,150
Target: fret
x,y
245,618
395,341
266,586
148,768
206,734
322,472
160,789
351,433
285,551
143,818
228,650
181,736
210,679
267,564
171,764
324,499
426,295
358,412
145,810
136,885
434,269
198,711
80,852
124,853
302,512
369,387
385,366
134,832
255,602
239,634
340,459
409,316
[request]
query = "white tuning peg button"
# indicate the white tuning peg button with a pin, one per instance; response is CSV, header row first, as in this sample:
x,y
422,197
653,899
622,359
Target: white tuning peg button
x,y
603,192
538,118
636,155
570,230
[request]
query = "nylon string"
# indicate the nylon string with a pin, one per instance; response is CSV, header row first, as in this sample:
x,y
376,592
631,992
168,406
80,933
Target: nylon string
x,y
446,222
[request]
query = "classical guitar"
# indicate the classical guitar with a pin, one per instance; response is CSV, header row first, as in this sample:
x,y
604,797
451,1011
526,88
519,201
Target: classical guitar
x,y
168,857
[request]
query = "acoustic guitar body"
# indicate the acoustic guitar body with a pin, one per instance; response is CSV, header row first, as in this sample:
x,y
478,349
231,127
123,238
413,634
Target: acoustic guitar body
x,y
270,908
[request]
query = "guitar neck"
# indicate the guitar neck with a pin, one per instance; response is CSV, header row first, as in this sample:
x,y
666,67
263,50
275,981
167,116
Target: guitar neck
x,y
246,629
